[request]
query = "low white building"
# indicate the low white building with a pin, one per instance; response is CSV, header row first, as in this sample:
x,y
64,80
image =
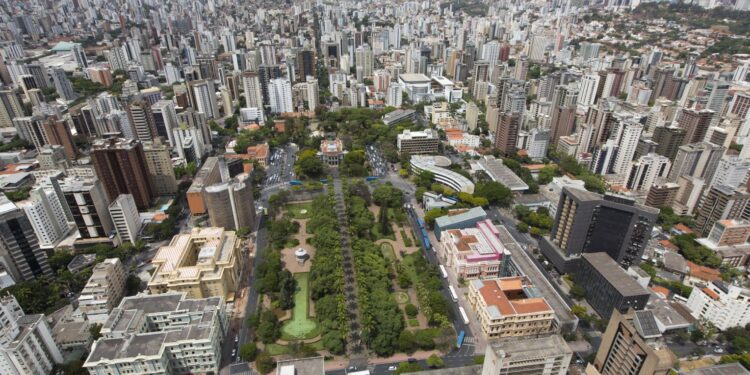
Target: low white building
x,y
725,306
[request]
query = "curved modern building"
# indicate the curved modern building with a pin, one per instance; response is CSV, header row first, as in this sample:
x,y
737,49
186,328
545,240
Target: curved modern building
x,y
438,166
230,204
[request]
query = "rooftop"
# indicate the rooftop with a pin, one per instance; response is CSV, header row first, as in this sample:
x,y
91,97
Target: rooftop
x,y
507,297
614,274
525,348
499,172
303,366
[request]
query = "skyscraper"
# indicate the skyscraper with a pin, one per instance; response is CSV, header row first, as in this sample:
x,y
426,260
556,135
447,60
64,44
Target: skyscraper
x,y
229,203
668,140
159,166
47,216
20,253
506,135
587,222
88,205
62,84
719,203
10,108
695,123
627,135
121,166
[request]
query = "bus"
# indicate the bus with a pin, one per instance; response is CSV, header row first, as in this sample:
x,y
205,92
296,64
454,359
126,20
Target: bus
x,y
443,272
452,290
463,315
460,339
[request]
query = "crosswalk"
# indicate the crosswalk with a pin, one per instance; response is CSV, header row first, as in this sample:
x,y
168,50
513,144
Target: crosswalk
x,y
469,340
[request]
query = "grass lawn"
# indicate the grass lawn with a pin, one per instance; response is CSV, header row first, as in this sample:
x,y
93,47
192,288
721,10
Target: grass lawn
x,y
301,326
300,210
413,322
276,349
401,298
387,250
376,234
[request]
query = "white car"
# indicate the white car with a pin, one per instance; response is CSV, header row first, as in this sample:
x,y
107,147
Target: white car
x,y
392,368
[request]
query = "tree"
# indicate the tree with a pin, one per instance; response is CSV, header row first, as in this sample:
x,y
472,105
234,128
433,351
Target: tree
x,y
407,343
264,363
248,352
354,164
522,227
95,330
309,165
425,339
288,286
410,310
387,195
431,215
434,361
332,342
577,292
495,193
405,367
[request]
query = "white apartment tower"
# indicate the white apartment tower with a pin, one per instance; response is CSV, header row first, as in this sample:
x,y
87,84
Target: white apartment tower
x,y
280,94
126,218
731,171
644,172
205,98
395,96
312,93
629,134
47,217
587,93
26,343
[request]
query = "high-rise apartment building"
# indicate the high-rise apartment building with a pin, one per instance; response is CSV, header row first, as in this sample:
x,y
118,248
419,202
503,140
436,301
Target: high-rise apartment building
x,y
698,160
280,95
159,166
141,120
627,135
731,171
719,202
122,168
587,222
252,90
10,107
47,216
646,171
695,123
363,57
26,343
103,291
723,305
20,252
230,203
62,84
668,140
506,134
632,344
204,97
125,217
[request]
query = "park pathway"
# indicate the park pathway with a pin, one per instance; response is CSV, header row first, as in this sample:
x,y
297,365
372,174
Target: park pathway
x,y
355,347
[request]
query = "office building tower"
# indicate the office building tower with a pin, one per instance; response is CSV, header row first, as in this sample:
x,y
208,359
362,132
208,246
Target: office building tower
x,y
20,252
159,166
718,203
252,90
716,94
696,160
587,222
418,142
122,168
280,95
141,120
47,216
668,140
665,84
79,55
165,120
88,204
62,84
695,123
39,72
176,335
57,132
608,287
26,342
506,134
633,344
646,171
229,202
204,96
103,291
126,219
305,62
266,73
540,355
10,108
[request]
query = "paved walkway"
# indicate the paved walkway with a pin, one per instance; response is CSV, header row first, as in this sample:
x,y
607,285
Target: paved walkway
x,y
287,255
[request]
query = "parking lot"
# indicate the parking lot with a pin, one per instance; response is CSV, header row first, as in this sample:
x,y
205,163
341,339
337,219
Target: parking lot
x,y
377,162
280,168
